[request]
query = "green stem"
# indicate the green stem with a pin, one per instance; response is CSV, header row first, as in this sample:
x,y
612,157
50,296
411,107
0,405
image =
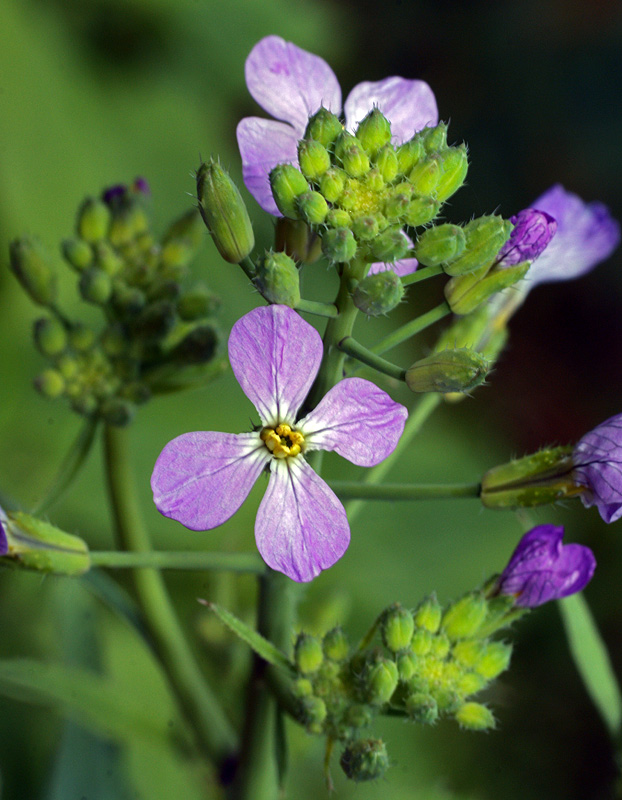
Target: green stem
x,y
421,275
412,328
320,309
73,461
348,490
351,347
223,562
249,267
203,712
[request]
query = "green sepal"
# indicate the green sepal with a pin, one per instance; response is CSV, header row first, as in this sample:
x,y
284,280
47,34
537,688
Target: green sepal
x,y
42,547
448,371
278,279
484,238
30,265
466,292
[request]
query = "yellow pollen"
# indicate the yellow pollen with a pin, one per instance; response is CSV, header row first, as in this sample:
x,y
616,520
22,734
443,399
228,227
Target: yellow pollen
x,y
283,442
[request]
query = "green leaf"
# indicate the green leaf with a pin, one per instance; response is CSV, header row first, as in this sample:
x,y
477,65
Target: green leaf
x,y
256,641
592,660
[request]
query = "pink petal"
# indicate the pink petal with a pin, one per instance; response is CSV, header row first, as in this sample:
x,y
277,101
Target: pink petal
x,y
357,420
403,267
263,144
202,478
275,355
408,105
301,526
290,83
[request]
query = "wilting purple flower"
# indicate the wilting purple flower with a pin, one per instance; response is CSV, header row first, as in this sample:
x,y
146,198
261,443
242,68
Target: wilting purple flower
x,y
202,478
598,467
542,569
586,235
292,84
533,230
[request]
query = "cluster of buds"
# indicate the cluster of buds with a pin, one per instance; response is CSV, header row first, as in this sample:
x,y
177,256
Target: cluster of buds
x,y
429,665
155,333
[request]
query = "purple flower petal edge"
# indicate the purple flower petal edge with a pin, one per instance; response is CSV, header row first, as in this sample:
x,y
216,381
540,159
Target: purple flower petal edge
x,y
542,569
4,543
598,466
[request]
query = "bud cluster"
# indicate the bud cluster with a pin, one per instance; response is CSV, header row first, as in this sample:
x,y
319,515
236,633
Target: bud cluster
x,y
153,327
431,662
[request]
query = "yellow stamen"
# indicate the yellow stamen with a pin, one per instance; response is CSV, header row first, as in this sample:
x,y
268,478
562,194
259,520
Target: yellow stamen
x,y
283,442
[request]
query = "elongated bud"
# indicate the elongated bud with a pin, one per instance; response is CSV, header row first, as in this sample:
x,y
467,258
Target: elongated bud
x,y
30,266
314,158
448,371
355,160
78,253
155,321
95,286
374,131
465,293
425,175
464,617
312,713
93,220
287,184
381,681
441,244
421,643
50,383
333,183
40,546
390,245
484,238
474,717
324,127
339,245
278,279
335,644
420,211
182,239
308,653
365,760
409,153
428,614
538,479
312,207
50,336
422,708
224,212
379,293
454,164
397,628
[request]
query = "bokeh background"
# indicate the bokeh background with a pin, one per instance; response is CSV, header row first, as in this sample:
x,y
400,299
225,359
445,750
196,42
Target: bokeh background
x,y
97,92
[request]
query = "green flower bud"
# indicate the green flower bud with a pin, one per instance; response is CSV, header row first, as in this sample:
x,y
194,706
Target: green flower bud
x,y
287,183
434,139
386,163
391,245
324,127
465,293
379,293
93,220
355,161
441,244
302,687
50,383
357,716
421,642
474,717
397,628
40,546
81,337
313,157
312,713
30,266
421,707
420,211
374,181
470,683
407,665
365,228
224,212
448,371
374,131
50,336
127,300
484,238
127,224
380,682
338,218
332,184
197,303
425,176
118,412
428,614
469,651
439,645
312,207
339,245
68,367
365,760
538,479
278,279
494,660
454,166
155,321
335,644
397,203
85,404
78,253
464,617
409,153
308,653
107,258
95,286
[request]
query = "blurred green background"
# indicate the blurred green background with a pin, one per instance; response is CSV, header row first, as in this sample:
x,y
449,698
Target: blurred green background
x,y
94,93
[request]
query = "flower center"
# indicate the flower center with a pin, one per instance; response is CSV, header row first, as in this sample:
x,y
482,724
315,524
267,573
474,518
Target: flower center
x,y
282,441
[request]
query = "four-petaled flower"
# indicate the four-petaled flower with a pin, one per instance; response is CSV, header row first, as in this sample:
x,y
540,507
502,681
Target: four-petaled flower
x,y
542,569
202,478
292,84
598,466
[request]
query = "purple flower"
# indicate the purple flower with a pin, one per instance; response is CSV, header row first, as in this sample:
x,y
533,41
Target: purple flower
x,y
4,543
542,569
292,84
533,230
202,478
586,235
598,467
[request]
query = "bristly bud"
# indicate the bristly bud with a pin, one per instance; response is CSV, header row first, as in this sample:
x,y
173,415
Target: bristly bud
x,y
365,227
380,681
224,212
324,127
335,644
338,218
465,293
454,164
421,643
287,184
407,665
339,245
312,208
332,184
409,153
379,293
278,279
93,220
484,238
30,266
314,158
391,245
434,139
422,708
428,614
312,713
40,546
374,132
464,617
50,336
494,660
448,371
397,628
308,653
425,175
441,244
420,211
365,760
474,717
355,160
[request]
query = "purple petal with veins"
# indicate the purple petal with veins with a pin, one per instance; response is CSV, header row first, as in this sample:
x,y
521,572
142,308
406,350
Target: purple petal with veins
x,y
598,467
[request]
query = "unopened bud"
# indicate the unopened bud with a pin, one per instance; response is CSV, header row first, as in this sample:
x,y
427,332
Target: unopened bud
x,y
365,760
428,614
409,153
421,642
374,131
425,175
197,347
434,139
381,681
107,258
50,383
287,183
224,212
464,617
278,279
338,218
448,371
196,303
308,653
365,227
474,717
420,211
312,713
314,158
95,286
397,628
441,244
335,644
422,708
333,183
484,238
324,127
40,546
454,164
494,660
30,266
50,336
378,293
339,245
81,337
93,220
391,245
188,228
155,321
355,160
465,293
312,207
78,253
117,412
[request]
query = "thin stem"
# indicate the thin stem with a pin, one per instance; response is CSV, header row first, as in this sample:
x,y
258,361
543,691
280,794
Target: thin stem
x,y
412,328
353,348
421,275
70,466
320,309
348,490
223,562
249,267
201,709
